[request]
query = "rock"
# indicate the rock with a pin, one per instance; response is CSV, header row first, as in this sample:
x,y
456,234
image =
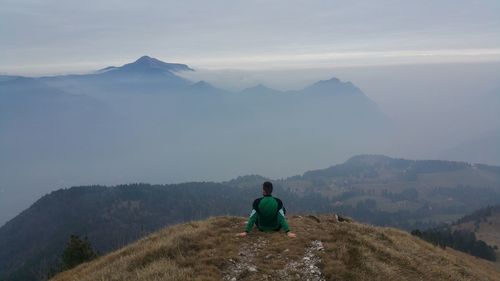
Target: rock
x,y
317,245
343,219
252,268
314,218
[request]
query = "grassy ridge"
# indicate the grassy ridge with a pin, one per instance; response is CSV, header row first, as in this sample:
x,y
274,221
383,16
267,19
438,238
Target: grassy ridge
x,y
207,250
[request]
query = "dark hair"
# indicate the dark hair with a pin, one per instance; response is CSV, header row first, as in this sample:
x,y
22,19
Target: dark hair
x,y
268,187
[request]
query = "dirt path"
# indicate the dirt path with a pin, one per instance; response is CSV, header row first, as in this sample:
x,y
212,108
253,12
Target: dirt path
x,y
304,267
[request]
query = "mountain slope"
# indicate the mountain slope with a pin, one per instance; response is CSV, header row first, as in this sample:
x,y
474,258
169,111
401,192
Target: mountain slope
x,y
113,216
145,75
373,189
260,90
147,64
333,86
392,192
325,249
485,224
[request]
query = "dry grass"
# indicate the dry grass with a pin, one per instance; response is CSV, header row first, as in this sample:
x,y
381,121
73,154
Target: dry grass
x,y
202,251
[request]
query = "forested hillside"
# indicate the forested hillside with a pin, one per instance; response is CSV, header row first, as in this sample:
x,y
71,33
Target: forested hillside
x,y
485,224
373,189
112,217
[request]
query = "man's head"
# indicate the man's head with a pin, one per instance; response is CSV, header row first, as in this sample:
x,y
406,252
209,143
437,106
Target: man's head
x,y
267,188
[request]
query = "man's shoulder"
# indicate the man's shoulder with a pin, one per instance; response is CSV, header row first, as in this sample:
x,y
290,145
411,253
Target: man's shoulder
x,y
279,200
257,199
256,202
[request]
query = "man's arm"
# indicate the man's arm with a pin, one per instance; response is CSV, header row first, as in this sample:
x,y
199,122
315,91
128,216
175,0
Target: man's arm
x,y
251,221
282,220
253,215
281,216
284,224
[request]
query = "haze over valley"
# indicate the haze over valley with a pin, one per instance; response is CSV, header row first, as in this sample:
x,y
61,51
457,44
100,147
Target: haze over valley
x,y
157,122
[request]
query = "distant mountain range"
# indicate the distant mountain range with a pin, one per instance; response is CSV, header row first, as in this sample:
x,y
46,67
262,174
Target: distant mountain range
x,y
371,188
143,121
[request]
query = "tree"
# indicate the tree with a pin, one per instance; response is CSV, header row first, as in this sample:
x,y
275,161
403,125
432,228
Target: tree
x,y
462,240
77,251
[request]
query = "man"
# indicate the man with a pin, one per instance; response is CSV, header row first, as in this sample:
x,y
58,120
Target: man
x,y
268,213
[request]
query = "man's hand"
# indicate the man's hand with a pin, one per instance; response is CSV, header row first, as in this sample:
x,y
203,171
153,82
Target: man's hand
x,y
242,234
291,234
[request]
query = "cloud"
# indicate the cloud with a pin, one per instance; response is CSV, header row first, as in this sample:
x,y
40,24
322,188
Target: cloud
x,y
244,34
280,60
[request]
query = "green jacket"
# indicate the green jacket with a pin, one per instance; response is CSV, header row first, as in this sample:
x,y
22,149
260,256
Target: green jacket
x,y
268,214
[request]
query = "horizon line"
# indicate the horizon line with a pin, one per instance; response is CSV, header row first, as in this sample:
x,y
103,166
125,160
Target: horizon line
x,y
280,61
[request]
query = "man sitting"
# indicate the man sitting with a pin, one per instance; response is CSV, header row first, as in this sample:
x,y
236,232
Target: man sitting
x,y
268,213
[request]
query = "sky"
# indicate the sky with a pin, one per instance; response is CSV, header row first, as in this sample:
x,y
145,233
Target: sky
x,y
431,66
39,37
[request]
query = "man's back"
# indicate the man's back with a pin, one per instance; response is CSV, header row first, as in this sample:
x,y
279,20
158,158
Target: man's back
x,y
268,214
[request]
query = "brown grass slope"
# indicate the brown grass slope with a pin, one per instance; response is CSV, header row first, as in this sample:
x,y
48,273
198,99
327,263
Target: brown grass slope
x,y
209,250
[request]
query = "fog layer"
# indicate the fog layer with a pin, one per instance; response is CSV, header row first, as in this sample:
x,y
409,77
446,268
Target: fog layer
x,y
154,122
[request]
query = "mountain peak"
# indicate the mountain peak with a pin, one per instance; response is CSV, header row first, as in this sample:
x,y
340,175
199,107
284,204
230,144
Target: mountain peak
x,y
148,60
259,89
331,80
147,64
260,86
202,84
369,159
154,63
145,58
334,86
